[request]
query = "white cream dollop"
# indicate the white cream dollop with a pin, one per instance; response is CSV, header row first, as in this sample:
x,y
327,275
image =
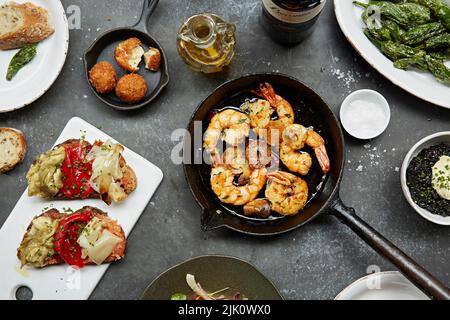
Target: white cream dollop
x,y
441,177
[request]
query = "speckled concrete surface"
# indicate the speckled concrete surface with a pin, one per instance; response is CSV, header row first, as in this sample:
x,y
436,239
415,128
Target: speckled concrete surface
x,y
314,262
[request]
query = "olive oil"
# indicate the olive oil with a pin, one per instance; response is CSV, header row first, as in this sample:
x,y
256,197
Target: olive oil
x,y
206,43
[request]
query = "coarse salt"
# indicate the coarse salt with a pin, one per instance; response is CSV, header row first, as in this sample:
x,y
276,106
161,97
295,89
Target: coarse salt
x,y
365,117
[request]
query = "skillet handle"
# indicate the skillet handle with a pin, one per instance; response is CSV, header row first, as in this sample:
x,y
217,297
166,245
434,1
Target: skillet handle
x,y
211,219
407,266
147,10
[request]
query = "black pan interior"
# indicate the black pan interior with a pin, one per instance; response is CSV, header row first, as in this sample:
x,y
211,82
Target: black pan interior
x,y
103,50
310,110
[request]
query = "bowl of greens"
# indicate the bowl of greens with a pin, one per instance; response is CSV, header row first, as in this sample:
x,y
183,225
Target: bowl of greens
x,y
212,277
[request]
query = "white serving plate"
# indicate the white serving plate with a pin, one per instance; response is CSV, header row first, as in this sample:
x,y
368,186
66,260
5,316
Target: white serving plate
x,y
32,81
390,285
63,282
434,139
420,84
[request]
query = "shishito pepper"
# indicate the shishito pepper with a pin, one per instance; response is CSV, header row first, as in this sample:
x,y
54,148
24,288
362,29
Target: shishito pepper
x,y
397,51
412,62
422,32
395,30
405,14
383,30
440,54
438,69
20,59
388,10
439,41
374,40
440,9
417,14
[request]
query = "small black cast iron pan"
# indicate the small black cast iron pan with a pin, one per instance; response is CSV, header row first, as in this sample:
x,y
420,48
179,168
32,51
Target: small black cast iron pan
x,y
313,111
103,50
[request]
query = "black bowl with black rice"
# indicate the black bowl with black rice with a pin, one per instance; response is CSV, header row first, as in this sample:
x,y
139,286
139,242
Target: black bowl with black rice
x,y
419,176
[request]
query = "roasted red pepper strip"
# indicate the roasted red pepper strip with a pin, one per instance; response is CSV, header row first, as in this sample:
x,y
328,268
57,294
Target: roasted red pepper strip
x,y
77,172
66,236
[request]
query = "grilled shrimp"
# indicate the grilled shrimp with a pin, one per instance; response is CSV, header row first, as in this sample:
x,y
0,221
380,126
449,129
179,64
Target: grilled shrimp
x,y
258,154
224,186
260,112
230,125
286,192
234,159
294,139
283,109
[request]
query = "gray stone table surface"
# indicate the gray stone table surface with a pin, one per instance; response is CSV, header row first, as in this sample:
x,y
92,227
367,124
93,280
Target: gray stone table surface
x,y
314,262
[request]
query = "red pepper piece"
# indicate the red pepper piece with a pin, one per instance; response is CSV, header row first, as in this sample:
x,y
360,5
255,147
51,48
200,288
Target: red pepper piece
x,y
77,172
66,236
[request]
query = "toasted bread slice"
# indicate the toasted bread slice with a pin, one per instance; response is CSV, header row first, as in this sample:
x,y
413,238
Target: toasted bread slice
x,y
128,54
13,148
128,181
22,24
111,225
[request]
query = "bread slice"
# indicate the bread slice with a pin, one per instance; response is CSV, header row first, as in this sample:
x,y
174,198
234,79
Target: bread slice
x,y
22,24
128,54
111,225
128,181
13,147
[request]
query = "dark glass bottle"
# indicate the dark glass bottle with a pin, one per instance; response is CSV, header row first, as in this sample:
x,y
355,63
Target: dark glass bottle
x,y
290,21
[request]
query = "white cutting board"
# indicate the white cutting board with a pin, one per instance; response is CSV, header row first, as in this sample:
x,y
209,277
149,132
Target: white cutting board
x,y
62,281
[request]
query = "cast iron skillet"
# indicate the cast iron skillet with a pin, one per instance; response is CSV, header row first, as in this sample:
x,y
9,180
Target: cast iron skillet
x,y
314,111
103,50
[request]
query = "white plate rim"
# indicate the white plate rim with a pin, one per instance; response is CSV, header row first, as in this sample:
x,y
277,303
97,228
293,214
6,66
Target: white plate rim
x,y
356,283
370,59
52,80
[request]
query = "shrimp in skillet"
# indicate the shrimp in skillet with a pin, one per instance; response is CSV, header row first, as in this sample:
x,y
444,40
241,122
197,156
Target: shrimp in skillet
x,y
260,112
287,193
234,159
258,154
294,139
283,109
228,191
229,125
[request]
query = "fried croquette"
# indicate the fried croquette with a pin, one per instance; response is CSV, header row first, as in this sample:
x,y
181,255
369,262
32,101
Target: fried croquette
x,y
103,77
131,88
128,54
152,59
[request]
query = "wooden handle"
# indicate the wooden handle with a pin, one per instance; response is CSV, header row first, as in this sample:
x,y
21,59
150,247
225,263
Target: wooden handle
x,y
410,269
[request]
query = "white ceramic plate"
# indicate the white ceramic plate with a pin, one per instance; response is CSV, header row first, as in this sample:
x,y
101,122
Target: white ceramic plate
x,y
62,281
390,285
420,84
434,139
32,81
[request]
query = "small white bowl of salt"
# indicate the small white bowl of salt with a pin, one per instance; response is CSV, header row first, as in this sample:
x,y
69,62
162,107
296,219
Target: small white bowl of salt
x,y
365,114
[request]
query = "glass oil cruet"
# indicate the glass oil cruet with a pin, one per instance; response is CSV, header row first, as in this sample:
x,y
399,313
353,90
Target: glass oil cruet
x,y
206,42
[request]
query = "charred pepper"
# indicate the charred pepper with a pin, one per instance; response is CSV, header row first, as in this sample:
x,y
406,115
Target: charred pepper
x,y
420,33
439,41
438,69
